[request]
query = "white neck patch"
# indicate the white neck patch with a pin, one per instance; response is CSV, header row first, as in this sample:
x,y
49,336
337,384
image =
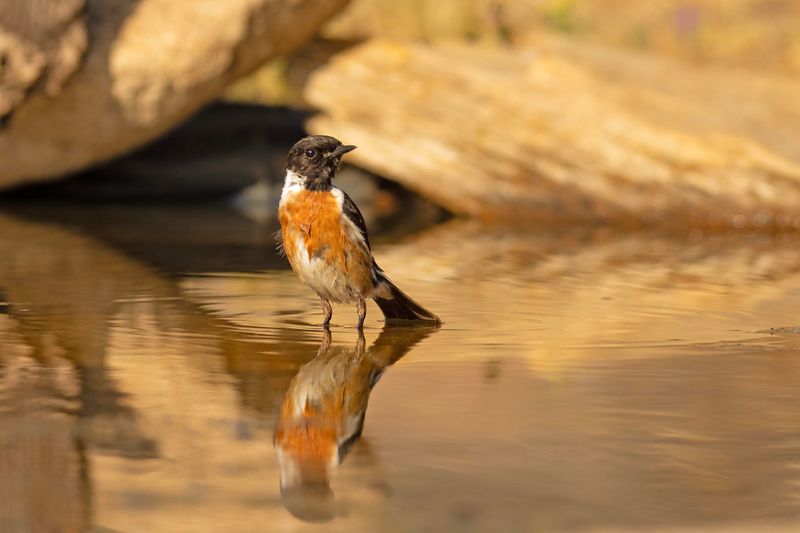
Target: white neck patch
x,y
292,184
293,179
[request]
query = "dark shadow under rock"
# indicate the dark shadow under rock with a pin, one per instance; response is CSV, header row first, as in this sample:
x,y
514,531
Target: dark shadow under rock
x,y
219,151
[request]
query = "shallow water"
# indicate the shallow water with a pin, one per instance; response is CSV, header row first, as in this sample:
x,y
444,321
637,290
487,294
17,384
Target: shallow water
x,y
582,380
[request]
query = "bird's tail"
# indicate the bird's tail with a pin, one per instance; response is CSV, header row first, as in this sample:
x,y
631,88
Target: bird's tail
x,y
397,305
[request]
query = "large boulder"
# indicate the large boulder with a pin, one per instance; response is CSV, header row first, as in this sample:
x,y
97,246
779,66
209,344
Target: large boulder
x,y
82,81
561,131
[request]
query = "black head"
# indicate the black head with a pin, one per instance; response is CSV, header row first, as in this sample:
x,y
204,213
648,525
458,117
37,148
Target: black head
x,y
316,159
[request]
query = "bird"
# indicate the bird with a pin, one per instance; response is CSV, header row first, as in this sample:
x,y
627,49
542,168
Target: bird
x,y
324,237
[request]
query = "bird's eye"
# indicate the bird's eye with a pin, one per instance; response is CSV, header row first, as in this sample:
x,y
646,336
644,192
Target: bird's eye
x,y
310,153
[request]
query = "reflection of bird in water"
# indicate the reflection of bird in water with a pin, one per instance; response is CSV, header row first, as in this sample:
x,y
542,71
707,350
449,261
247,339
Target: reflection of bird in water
x,y
322,415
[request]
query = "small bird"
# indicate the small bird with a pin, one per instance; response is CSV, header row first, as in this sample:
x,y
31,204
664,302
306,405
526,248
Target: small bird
x,y
324,236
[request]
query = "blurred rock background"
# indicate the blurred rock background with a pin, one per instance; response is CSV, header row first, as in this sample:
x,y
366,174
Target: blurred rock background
x,y
141,152
87,80
618,112
755,34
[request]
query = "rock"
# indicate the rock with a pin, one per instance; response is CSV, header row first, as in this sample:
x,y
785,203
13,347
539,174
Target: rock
x,y
40,41
559,132
219,151
148,64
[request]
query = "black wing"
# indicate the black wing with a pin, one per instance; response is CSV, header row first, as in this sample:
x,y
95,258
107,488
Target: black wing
x,y
351,211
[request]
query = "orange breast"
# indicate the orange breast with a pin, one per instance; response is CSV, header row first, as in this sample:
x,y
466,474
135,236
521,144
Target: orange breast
x,y
312,435
315,215
313,219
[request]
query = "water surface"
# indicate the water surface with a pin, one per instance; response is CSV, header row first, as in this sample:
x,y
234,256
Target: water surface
x,y
583,380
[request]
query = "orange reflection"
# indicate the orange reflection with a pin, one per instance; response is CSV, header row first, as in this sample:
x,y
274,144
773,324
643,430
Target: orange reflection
x,y
322,415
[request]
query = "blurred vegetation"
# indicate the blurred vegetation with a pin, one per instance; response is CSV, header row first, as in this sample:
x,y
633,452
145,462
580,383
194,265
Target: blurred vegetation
x,y
757,34
752,33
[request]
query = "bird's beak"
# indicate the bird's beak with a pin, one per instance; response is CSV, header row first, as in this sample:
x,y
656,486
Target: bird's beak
x,y
339,152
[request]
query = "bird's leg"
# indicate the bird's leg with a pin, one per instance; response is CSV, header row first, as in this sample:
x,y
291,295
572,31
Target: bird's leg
x,y
327,310
361,344
361,306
